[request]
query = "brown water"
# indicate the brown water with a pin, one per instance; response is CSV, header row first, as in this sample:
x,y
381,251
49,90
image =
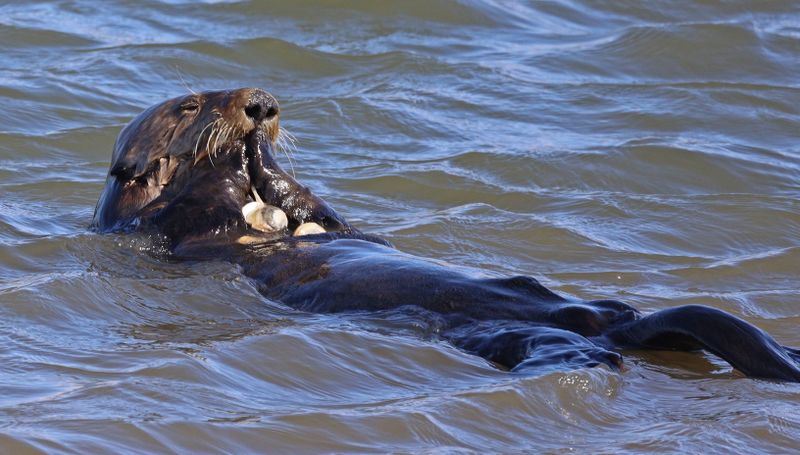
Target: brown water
x,y
645,151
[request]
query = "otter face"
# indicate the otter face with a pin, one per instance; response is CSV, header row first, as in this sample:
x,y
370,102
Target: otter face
x,y
186,161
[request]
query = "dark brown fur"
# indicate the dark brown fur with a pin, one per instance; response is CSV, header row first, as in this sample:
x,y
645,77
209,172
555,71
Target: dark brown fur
x,y
160,182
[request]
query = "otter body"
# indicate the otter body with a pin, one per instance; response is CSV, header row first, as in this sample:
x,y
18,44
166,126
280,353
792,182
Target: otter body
x,y
185,169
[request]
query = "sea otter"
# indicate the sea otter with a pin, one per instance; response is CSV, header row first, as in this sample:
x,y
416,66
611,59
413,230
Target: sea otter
x,y
184,169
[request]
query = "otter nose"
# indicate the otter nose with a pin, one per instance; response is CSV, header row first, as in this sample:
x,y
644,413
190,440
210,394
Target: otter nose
x,y
262,106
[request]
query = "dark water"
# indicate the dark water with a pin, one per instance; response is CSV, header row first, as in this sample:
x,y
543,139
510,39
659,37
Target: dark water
x,y
645,151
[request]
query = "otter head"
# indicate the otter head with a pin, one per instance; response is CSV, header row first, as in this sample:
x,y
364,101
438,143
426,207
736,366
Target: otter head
x,y
184,166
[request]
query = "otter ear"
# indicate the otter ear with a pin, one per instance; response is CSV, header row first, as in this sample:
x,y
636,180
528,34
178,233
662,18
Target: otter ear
x,y
122,171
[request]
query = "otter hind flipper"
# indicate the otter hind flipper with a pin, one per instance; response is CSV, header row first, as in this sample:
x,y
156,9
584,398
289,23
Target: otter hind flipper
x,y
746,347
536,349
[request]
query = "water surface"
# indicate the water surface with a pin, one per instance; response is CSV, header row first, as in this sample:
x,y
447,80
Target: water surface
x,y
644,151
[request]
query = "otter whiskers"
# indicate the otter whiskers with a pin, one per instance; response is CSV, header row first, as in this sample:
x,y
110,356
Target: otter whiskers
x,y
286,143
200,136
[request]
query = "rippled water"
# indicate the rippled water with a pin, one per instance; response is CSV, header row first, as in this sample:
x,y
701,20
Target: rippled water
x,y
645,151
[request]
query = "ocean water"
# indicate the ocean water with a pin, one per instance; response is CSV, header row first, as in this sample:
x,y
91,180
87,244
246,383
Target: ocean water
x,y
643,151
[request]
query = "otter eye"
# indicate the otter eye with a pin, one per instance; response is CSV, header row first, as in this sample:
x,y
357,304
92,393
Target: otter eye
x,y
190,106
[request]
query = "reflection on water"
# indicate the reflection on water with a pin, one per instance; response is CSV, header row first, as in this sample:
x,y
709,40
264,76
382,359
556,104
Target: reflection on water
x,y
637,150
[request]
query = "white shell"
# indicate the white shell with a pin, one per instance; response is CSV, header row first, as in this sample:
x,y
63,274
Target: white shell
x,y
249,208
264,217
308,229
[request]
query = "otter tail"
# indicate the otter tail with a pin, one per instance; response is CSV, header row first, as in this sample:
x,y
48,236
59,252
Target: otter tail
x,y
692,327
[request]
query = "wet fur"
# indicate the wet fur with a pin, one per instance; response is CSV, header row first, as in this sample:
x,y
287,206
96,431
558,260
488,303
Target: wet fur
x,y
160,181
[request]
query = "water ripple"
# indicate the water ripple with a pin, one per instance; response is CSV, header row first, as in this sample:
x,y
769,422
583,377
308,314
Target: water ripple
x,y
634,150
